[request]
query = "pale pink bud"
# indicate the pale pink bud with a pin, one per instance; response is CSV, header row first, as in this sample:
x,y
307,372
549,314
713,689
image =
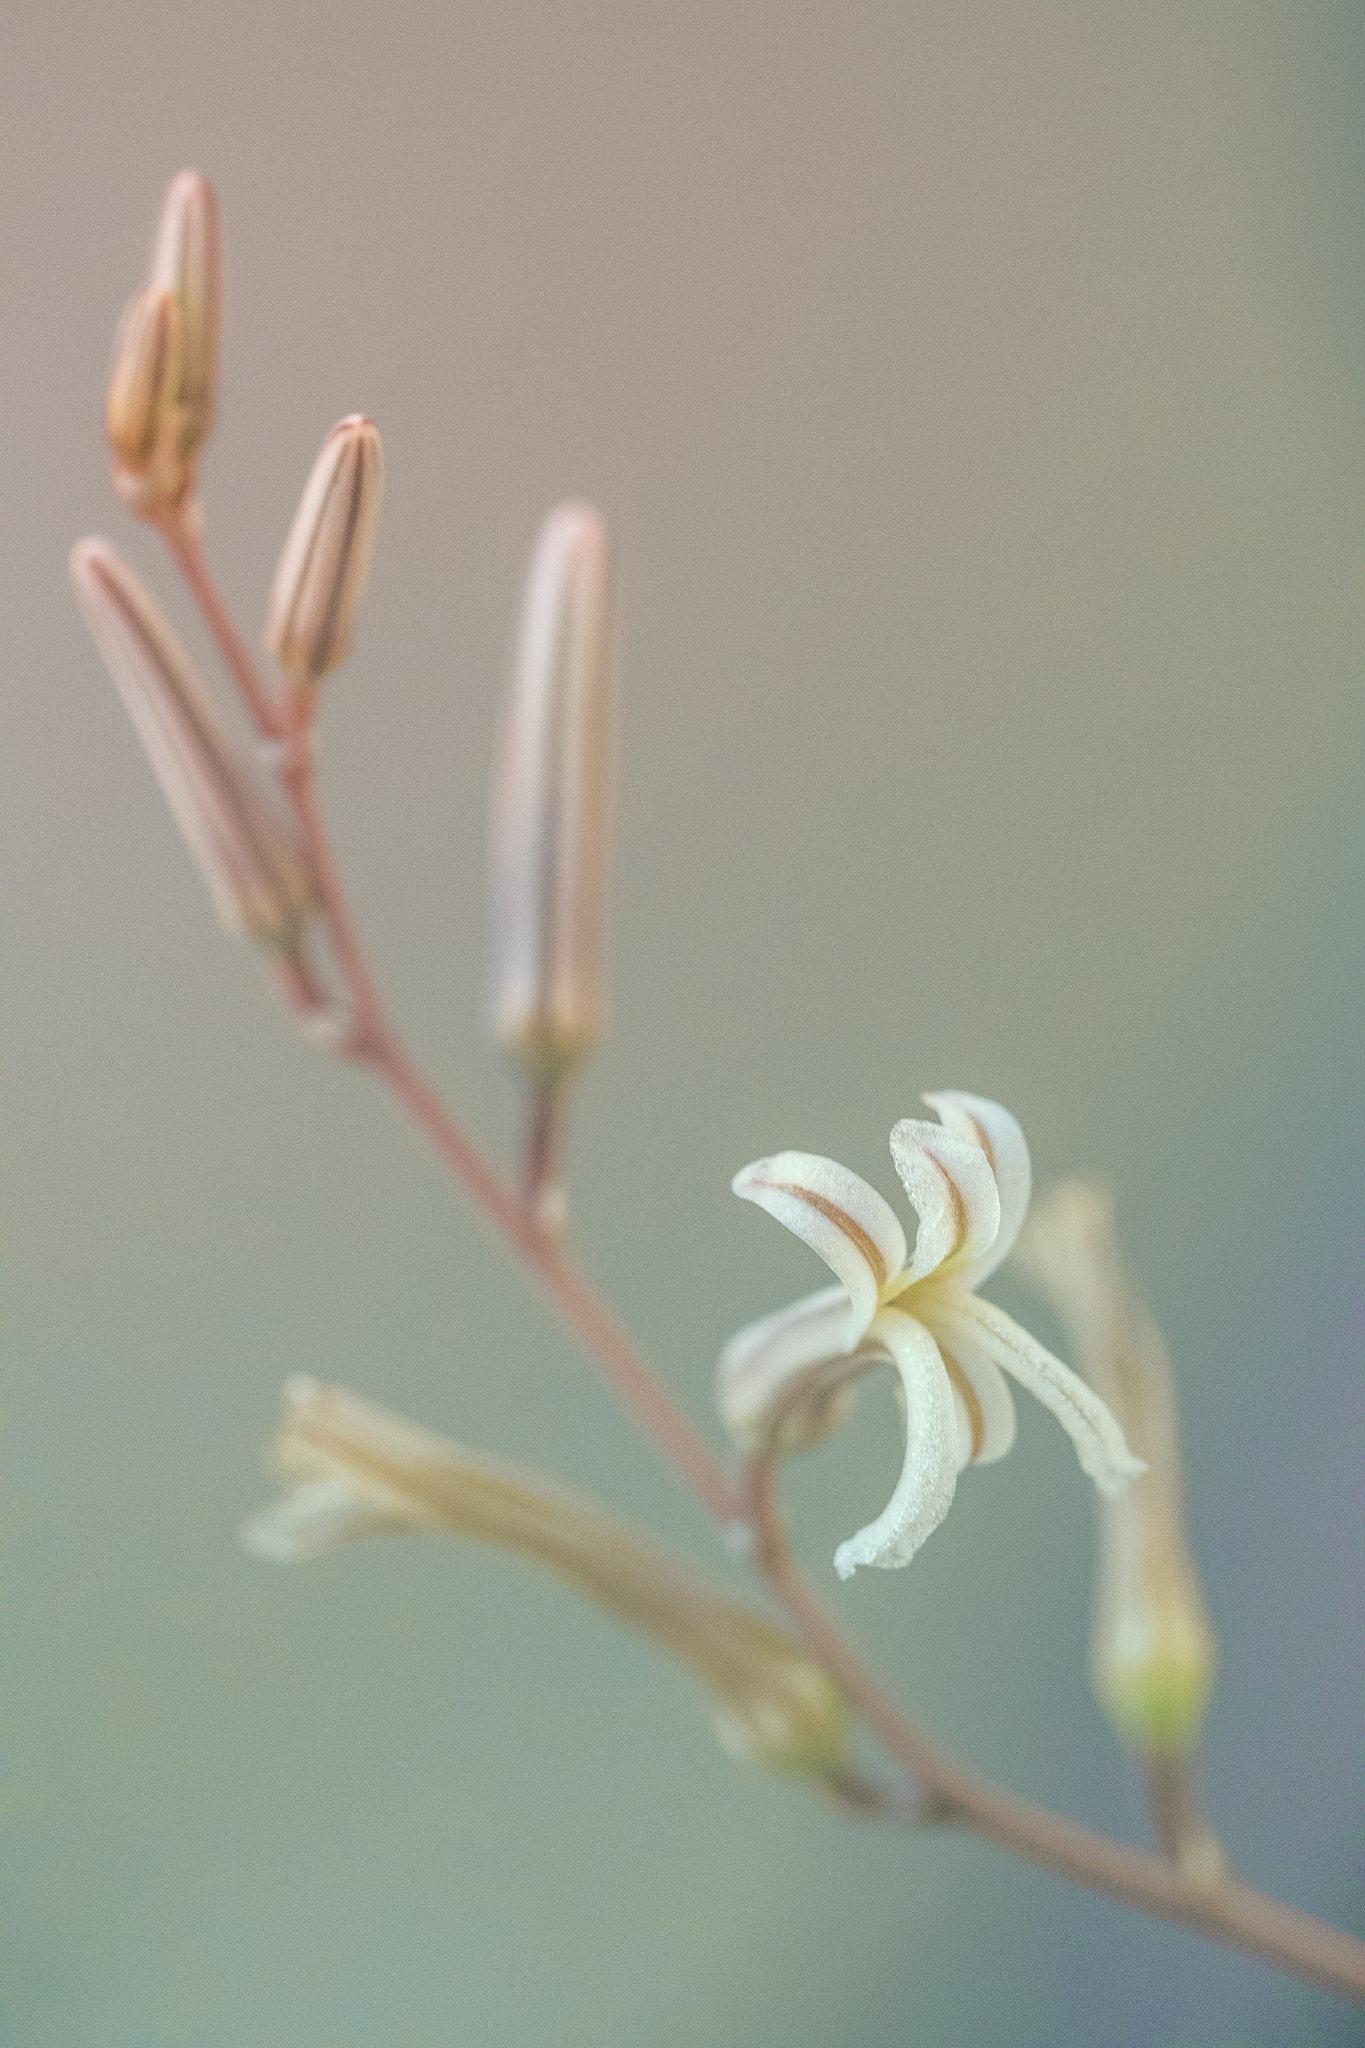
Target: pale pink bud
x,y
325,563
225,801
187,259
141,410
551,813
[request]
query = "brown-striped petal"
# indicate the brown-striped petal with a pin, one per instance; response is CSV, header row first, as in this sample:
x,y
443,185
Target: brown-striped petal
x,y
952,1190
985,1405
924,1491
838,1215
971,1325
987,1124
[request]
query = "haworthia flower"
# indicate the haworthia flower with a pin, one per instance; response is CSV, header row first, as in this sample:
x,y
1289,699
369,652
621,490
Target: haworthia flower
x,y
782,1381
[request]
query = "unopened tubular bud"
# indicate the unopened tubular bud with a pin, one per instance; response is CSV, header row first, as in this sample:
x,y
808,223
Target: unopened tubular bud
x,y
325,564
187,259
551,815
1153,1652
142,410
359,1470
224,799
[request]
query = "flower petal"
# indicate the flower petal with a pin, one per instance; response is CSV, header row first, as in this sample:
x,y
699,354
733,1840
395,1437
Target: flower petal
x,y
977,1327
978,1383
952,1190
838,1215
317,1517
985,1123
762,1363
924,1491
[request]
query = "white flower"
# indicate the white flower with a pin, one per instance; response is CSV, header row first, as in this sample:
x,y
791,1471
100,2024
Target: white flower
x,y
783,1380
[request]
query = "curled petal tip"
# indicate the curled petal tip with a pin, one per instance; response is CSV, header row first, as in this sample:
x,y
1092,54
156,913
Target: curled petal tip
x,y
953,1192
924,1492
990,1126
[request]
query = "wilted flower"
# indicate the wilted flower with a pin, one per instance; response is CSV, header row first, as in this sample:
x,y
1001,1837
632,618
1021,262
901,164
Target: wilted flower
x,y
223,797
1153,1653
359,1470
782,1379
325,563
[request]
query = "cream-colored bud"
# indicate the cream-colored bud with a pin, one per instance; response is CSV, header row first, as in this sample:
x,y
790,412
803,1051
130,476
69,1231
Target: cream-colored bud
x,y
325,563
1153,1652
360,1470
142,409
551,814
224,799
187,259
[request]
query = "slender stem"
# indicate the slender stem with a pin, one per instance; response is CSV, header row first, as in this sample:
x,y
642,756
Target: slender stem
x,y
542,1153
1224,1909
1181,1827
179,528
1219,1906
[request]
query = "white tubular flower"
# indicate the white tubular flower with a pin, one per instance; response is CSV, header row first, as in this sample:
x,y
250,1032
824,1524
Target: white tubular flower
x,y
784,1381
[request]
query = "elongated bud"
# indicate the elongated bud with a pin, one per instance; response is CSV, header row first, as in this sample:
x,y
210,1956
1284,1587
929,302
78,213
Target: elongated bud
x,y
142,410
551,819
325,564
223,798
360,1470
1153,1652
187,259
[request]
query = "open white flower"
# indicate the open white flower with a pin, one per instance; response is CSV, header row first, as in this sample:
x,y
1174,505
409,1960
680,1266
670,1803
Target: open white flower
x,y
784,1379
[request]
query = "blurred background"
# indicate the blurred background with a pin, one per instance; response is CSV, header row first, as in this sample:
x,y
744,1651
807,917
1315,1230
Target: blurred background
x,y
976,394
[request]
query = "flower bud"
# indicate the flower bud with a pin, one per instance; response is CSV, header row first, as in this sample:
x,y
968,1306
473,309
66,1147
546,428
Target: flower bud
x,y
550,839
325,564
223,798
1153,1652
360,1470
187,259
142,409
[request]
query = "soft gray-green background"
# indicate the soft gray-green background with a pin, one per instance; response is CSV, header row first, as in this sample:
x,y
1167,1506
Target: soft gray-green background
x,y
976,394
